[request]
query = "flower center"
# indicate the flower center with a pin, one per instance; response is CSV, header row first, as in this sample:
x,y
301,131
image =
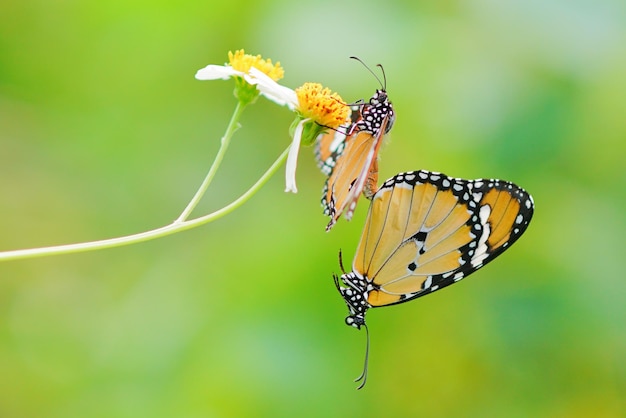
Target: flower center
x,y
241,61
322,105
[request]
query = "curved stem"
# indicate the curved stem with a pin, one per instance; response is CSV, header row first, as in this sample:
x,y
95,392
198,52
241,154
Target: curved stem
x,y
176,226
241,199
233,125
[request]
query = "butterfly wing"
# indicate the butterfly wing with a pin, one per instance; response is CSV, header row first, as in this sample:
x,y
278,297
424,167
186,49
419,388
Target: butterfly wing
x,y
425,231
350,159
330,145
351,173
328,148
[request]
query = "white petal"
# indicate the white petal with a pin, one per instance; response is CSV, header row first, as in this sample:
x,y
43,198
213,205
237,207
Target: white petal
x,y
292,158
272,90
217,72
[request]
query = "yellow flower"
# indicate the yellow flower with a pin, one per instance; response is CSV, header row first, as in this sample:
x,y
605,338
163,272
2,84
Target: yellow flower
x,y
318,109
321,105
240,61
240,66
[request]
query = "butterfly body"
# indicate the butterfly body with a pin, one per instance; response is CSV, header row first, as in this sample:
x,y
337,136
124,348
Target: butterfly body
x,y
375,116
425,231
349,156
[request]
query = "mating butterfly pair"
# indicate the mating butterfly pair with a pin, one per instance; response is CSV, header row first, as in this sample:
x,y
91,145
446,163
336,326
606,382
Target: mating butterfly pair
x,y
424,230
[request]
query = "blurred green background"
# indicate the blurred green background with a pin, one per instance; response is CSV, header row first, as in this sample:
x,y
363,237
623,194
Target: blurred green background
x,y
104,132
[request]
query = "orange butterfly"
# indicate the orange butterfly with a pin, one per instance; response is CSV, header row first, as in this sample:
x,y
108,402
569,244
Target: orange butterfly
x,y
349,156
425,231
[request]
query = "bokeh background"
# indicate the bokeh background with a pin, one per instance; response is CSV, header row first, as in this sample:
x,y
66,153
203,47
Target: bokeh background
x,y
105,132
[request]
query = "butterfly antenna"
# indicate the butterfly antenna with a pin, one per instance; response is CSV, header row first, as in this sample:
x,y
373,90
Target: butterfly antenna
x,y
363,376
341,263
382,70
384,86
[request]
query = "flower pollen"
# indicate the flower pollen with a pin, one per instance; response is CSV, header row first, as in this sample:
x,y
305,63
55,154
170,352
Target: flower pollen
x,y
321,105
241,61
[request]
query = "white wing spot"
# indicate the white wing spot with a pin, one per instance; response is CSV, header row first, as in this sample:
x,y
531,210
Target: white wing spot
x,y
428,282
481,251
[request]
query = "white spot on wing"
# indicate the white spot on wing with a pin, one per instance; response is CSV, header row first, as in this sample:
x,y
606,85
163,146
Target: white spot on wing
x,y
337,141
428,282
481,251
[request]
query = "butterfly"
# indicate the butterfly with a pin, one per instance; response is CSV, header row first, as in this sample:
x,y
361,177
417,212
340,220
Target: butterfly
x,y
349,155
425,231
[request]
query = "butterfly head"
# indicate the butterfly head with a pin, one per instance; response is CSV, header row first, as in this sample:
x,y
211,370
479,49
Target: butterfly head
x,y
356,320
380,98
377,113
379,110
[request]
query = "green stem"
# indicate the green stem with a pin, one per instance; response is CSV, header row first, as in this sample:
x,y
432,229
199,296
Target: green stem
x,y
174,227
233,125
